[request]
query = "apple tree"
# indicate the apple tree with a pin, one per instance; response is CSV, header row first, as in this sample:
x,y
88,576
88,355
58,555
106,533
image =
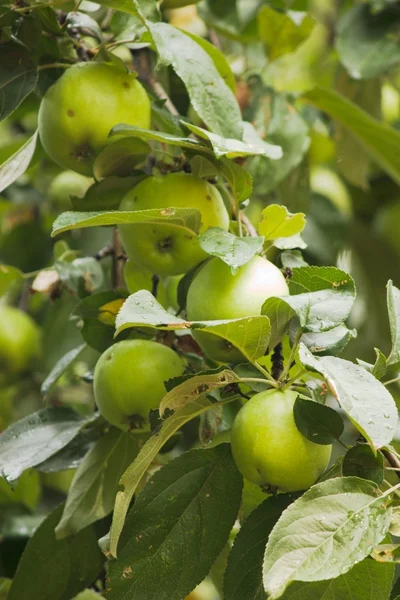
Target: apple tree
x,y
199,301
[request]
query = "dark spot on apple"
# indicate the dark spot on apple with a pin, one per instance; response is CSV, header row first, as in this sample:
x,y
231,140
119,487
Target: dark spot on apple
x,y
208,197
136,422
70,112
165,245
126,85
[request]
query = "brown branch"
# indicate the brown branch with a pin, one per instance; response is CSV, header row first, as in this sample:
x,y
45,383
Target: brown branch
x,y
251,230
392,460
117,265
146,75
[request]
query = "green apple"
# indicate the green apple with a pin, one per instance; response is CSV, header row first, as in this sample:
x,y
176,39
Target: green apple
x,y
67,184
79,110
171,288
268,448
19,341
129,381
216,294
160,247
387,224
137,279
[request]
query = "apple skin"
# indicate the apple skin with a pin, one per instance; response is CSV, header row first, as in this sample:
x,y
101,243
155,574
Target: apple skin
x,y
268,448
160,247
129,381
216,294
168,4
19,341
67,184
79,110
137,279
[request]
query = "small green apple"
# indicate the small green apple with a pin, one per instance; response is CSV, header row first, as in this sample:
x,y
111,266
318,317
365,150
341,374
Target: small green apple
x,y
79,110
67,184
19,341
268,448
216,294
137,279
160,247
129,381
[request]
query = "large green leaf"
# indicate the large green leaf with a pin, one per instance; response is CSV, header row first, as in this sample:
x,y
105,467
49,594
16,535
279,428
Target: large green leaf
x,y
243,575
53,569
177,527
17,164
210,96
367,42
393,303
249,334
181,217
94,487
18,78
368,580
367,402
35,438
381,141
135,472
325,533
283,32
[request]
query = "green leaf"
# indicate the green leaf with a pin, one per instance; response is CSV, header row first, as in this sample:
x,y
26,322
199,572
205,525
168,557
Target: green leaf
x,y
322,535
194,388
292,258
5,585
220,62
210,96
34,438
82,21
243,575
18,78
318,423
120,158
159,136
188,217
135,472
60,367
280,314
330,342
53,569
381,141
368,580
278,222
8,275
282,32
94,487
234,251
361,462
82,275
17,164
96,331
177,527
393,304
249,334
367,403
233,148
283,126
106,194
238,178
367,43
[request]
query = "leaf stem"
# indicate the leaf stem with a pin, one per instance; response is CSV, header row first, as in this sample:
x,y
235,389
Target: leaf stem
x,y
292,355
293,379
258,380
54,66
395,380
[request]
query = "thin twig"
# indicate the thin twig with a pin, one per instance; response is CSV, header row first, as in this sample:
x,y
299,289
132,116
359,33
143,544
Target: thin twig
x,y
251,230
392,459
145,74
390,381
117,265
106,251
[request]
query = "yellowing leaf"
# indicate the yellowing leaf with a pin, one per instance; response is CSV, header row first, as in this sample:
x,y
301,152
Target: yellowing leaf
x,y
108,312
278,222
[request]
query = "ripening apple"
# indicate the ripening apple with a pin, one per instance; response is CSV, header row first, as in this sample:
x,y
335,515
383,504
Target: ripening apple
x,y
129,381
137,279
160,247
19,341
268,448
67,184
79,110
216,294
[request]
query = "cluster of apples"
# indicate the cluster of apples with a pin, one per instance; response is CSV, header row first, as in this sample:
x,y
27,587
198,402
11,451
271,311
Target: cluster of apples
x,y
75,118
